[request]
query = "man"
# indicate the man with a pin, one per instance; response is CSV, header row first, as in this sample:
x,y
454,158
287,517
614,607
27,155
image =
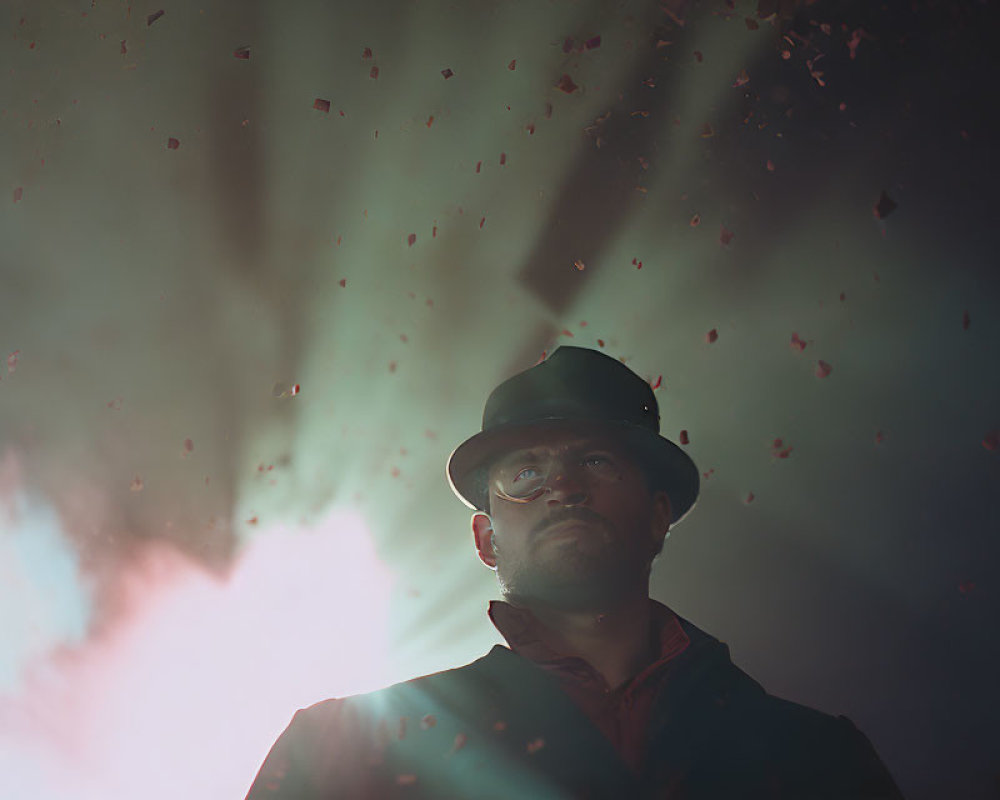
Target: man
x,y
603,692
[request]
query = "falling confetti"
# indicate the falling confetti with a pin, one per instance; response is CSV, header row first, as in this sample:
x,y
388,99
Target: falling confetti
x,y
683,438
770,165
321,105
252,521
592,43
373,73
712,335
749,498
797,343
124,50
172,143
536,745
447,73
579,265
695,220
12,361
153,17
823,369
568,45
188,446
752,24
742,79
406,779
136,484
18,193
778,451
512,65
428,721
566,84
242,53
566,332
116,404
479,166
698,56
991,441
343,283
879,437
411,239
884,207
499,726
430,120
482,222
725,236
658,384
366,53
965,320
636,263
966,587
460,740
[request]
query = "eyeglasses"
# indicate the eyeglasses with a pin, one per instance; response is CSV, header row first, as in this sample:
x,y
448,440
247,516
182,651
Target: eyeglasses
x,y
527,475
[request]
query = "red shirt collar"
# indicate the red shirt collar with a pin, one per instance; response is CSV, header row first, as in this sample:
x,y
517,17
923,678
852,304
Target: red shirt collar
x,y
526,635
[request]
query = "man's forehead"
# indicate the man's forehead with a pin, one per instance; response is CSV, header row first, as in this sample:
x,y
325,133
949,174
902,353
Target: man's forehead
x,y
556,441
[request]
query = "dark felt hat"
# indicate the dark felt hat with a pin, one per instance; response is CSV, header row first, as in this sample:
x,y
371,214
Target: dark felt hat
x,y
574,388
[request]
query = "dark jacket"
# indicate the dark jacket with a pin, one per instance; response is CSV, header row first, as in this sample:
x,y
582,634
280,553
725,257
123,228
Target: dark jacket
x,y
501,727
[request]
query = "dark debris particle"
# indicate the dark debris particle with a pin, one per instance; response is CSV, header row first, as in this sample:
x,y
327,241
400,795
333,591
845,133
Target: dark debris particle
x,y
447,73
884,207
566,84
153,17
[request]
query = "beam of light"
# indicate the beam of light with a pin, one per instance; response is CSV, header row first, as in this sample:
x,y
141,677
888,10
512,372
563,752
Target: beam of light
x,y
184,694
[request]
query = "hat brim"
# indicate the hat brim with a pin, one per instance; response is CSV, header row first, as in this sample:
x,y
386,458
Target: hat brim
x,y
669,466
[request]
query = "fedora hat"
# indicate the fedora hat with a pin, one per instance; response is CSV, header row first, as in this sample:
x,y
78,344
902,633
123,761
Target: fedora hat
x,y
575,388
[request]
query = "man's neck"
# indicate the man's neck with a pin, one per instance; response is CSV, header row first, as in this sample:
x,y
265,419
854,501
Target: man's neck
x,y
616,642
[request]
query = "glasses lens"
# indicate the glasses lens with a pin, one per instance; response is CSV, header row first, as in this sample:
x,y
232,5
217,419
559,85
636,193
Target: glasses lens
x,y
521,481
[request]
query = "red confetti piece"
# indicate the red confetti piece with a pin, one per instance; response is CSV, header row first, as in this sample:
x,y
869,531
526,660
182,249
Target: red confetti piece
x,y
447,73
460,740
482,222
712,335
707,475
536,745
843,297
778,452
530,128
188,446
568,45
252,521
751,24
749,498
18,193
566,332
12,361
725,236
884,207
879,437
172,143
428,721
683,438
503,159
966,587
965,320
499,725
797,343
394,472
392,366
991,441
242,53
698,56
579,265
854,41
153,17
366,53
650,82
658,384
566,84
430,120
706,131
401,729
116,404
411,239
434,232
124,48
136,484
695,220
636,263
343,283
321,105
742,79
770,165
373,73
406,779
479,166
592,43
512,65
823,369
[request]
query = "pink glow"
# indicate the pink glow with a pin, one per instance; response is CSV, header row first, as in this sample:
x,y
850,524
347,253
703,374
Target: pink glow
x,y
185,694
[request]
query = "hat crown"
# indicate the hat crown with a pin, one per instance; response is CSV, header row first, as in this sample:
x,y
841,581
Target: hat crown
x,y
574,383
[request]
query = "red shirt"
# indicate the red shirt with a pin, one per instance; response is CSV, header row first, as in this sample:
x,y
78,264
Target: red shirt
x,y
621,713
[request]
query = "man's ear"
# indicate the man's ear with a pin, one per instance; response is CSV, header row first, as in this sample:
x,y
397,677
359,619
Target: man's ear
x,y
662,514
482,531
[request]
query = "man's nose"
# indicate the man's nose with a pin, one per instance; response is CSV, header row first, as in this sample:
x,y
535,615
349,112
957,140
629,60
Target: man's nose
x,y
566,486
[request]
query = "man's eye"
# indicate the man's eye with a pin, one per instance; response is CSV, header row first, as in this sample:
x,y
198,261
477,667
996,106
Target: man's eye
x,y
526,474
598,461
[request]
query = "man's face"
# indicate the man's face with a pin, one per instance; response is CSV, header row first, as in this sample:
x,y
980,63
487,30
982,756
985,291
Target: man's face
x,y
572,524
